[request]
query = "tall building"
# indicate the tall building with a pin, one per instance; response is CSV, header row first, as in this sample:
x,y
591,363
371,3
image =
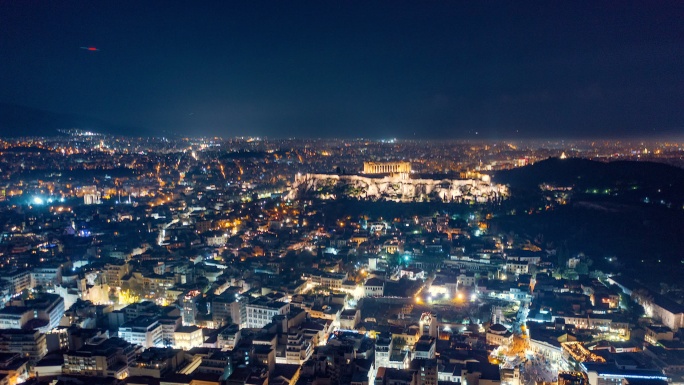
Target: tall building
x,y
428,325
189,307
383,350
298,348
339,362
229,337
169,326
46,276
425,347
426,371
225,309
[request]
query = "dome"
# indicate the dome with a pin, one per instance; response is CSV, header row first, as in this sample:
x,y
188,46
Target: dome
x,y
497,329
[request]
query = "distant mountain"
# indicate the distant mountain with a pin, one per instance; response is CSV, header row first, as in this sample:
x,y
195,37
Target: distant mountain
x,y
18,120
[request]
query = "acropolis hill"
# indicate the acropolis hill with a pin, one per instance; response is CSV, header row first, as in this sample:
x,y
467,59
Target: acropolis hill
x,y
394,183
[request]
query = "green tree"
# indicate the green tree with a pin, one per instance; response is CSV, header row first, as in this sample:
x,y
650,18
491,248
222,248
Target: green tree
x,y
582,268
562,256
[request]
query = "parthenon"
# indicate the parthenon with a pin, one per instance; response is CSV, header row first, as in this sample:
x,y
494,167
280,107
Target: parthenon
x,y
386,167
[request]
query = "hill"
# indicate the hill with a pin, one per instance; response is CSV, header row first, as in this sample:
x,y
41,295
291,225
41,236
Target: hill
x,y
584,173
627,210
623,181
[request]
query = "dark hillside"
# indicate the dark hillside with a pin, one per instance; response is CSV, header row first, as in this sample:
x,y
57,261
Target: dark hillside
x,y
623,181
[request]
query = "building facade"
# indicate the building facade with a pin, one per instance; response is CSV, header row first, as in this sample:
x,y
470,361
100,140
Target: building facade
x,y
260,312
146,332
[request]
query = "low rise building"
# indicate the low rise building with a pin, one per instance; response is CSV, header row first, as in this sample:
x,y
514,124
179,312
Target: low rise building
x,y
655,333
29,344
349,318
42,313
188,337
608,374
425,348
374,287
101,358
499,335
157,362
329,280
46,276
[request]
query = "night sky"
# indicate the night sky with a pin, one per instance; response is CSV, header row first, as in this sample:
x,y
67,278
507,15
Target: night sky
x,y
423,69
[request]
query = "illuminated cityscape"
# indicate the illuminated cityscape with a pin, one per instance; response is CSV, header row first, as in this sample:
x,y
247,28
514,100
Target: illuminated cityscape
x,y
218,259
341,193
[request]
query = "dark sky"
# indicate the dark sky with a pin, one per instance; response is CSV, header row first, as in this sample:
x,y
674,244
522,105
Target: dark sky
x,y
424,69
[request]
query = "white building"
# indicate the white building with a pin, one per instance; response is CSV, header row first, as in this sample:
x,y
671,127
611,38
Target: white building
x,y
46,276
517,268
374,287
329,280
188,337
466,279
143,331
298,348
383,351
42,313
261,312
216,240
91,196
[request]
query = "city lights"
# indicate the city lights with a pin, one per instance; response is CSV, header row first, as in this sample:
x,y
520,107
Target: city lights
x,y
331,193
